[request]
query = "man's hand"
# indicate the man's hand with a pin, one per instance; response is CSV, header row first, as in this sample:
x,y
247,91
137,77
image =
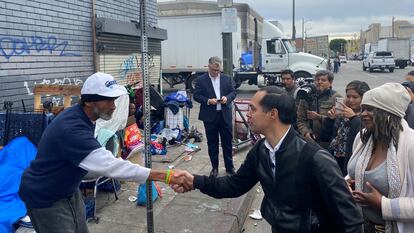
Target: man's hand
x,y
371,199
212,101
332,113
223,100
182,181
314,115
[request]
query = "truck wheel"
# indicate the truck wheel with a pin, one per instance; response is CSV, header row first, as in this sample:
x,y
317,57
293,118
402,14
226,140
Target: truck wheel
x,y
391,70
191,83
236,81
302,74
364,68
402,66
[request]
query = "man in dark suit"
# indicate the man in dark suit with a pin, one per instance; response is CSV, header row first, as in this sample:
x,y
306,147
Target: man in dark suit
x,y
215,92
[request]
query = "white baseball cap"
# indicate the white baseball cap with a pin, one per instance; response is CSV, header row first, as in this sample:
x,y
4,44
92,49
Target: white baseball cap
x,y
102,84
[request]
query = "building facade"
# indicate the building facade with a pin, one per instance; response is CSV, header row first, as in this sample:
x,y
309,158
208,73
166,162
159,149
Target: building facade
x,y
52,42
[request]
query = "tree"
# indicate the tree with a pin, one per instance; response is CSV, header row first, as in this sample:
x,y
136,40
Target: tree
x,y
338,45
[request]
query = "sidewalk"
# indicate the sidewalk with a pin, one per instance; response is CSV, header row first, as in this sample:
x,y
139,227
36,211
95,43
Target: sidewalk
x,y
177,213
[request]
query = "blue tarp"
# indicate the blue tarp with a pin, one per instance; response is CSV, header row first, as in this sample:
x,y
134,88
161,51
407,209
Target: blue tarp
x,y
14,158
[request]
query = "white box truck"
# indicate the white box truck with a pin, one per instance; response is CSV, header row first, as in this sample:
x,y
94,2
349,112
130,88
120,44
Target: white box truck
x,y
400,48
192,39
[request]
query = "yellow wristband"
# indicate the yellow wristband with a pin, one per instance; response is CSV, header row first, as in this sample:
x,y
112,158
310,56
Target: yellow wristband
x,y
167,175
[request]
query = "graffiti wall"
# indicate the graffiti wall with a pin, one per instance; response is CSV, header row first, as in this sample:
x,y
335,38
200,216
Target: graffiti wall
x,y
50,42
126,69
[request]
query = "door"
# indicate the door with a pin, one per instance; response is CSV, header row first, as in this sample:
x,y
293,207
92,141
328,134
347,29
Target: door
x,y
275,58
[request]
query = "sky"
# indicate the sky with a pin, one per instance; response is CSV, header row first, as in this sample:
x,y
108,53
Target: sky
x,y
335,18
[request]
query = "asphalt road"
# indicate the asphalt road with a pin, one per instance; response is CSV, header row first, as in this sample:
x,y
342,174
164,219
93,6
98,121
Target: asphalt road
x,y
352,70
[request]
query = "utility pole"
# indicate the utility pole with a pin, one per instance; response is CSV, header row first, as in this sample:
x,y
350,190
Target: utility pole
x,y
229,21
392,26
147,109
293,23
303,33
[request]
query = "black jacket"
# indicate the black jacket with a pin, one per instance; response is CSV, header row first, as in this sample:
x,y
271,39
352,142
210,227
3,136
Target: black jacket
x,y
204,90
329,132
307,187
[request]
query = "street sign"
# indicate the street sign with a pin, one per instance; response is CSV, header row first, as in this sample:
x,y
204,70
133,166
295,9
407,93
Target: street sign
x,y
224,3
229,19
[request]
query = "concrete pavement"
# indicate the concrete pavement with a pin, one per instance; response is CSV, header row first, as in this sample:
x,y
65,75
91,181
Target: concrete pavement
x,y
189,212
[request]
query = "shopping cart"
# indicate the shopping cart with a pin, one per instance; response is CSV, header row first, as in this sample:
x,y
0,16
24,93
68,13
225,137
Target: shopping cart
x,y
16,122
242,134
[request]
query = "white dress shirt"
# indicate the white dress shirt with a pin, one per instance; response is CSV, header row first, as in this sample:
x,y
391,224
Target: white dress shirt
x,y
272,151
216,85
102,162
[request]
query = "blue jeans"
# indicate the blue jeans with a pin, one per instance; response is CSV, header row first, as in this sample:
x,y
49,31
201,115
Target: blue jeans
x,y
64,216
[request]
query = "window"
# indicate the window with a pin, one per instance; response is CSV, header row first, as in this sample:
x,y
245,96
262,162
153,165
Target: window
x,y
275,47
383,54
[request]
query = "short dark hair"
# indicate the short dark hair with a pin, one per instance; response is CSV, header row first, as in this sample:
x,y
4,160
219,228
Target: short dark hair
x,y
277,98
411,73
287,71
359,86
324,73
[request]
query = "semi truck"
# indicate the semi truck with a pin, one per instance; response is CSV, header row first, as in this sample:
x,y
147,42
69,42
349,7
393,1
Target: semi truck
x,y
192,39
400,48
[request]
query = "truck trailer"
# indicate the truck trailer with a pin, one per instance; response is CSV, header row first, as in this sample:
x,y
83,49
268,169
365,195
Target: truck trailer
x,y
400,48
193,39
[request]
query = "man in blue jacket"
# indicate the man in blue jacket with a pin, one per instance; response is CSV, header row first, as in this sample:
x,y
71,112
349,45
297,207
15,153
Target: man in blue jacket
x,y
215,93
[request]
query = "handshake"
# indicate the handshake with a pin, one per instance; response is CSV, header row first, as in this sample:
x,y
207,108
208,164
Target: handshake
x,y
181,181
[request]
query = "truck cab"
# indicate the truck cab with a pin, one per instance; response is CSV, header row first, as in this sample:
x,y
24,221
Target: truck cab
x,y
278,54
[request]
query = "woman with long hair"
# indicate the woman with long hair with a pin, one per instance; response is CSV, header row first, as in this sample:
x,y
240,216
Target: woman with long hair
x,y
343,124
382,163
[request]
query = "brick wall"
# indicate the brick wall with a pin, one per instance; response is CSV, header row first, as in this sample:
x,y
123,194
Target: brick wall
x,y
50,42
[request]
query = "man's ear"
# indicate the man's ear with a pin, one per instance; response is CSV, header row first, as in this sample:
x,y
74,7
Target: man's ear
x,y
89,104
274,114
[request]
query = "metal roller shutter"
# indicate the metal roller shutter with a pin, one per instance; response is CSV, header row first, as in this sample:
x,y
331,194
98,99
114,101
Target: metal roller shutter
x,y
120,56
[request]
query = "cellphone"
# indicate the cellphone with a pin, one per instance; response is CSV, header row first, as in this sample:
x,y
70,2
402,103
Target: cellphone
x,y
338,104
353,186
219,100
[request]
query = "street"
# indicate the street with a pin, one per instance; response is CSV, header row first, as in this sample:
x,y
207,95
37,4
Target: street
x,y
347,72
352,70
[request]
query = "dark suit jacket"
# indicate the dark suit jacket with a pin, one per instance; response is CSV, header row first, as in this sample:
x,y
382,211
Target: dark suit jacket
x,y
204,90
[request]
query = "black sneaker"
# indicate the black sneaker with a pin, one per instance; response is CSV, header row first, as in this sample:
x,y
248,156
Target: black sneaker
x,y
214,172
231,172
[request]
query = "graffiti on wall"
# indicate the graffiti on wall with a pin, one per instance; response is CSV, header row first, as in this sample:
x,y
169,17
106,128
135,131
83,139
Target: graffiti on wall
x,y
55,81
130,68
19,46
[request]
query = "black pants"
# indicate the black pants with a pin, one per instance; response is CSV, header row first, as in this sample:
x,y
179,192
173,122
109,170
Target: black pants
x,y
214,129
64,216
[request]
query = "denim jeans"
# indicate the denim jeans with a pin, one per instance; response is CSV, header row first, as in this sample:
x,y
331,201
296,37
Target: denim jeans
x,y
64,216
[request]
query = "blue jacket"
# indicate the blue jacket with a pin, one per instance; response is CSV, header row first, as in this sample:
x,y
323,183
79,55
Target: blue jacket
x,y
204,90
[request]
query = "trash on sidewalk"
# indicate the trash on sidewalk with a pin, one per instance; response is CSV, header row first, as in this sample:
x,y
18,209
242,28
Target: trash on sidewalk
x,y
256,215
132,198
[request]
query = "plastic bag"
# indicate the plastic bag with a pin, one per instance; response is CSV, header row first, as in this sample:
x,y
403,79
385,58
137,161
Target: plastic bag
x,y
133,136
142,193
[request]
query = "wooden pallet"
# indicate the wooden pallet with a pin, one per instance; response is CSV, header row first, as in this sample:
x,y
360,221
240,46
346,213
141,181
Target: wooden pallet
x,y
67,91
